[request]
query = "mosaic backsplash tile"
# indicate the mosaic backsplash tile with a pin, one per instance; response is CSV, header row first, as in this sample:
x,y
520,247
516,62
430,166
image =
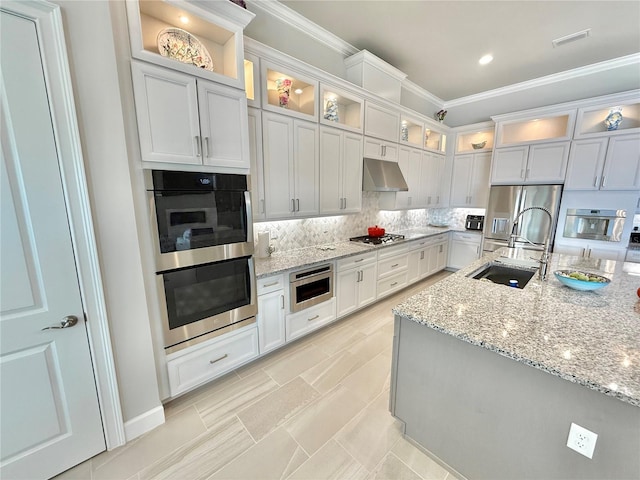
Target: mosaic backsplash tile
x,y
293,234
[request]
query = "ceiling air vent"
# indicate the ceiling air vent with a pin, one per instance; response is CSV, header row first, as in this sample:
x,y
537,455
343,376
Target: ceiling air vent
x,y
558,42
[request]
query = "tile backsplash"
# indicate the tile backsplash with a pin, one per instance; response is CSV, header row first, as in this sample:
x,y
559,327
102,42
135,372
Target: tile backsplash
x,y
292,234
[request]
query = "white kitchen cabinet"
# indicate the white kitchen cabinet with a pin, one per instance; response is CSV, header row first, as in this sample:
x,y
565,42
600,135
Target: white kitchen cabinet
x,y
433,167
271,313
340,171
288,92
411,131
439,255
381,122
191,367
426,257
291,166
355,283
380,149
392,270
530,164
256,162
186,120
310,319
470,180
592,250
609,163
464,248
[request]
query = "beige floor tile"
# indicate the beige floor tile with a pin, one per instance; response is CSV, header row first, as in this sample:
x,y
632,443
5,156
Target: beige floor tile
x,y
267,414
418,461
79,472
289,367
275,356
151,447
370,380
331,462
317,423
372,345
372,434
204,455
225,402
274,457
327,375
338,338
184,401
392,468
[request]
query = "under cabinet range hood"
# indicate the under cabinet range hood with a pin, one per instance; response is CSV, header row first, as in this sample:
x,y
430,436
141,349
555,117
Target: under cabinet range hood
x,y
382,176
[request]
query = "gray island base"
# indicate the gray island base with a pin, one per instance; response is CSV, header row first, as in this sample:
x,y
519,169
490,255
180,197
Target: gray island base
x,y
491,389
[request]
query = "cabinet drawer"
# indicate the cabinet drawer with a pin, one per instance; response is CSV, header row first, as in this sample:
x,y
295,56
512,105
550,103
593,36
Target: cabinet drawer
x,y
306,321
211,361
270,284
356,261
392,265
392,284
387,252
428,241
467,237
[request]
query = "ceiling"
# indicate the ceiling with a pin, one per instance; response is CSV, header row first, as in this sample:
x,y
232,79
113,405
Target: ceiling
x,y
438,43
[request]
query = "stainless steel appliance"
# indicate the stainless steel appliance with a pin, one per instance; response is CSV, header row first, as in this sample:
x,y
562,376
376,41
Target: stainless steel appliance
x,y
310,286
474,222
594,224
633,251
203,238
386,238
198,217
506,202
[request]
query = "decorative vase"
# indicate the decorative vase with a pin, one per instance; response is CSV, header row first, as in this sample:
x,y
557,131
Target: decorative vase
x,y
614,119
331,110
404,132
283,85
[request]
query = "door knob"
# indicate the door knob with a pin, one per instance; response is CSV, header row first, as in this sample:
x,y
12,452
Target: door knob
x,y
68,321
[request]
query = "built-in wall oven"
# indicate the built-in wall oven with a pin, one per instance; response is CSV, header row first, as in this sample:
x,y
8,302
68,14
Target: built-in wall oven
x,y
203,240
595,224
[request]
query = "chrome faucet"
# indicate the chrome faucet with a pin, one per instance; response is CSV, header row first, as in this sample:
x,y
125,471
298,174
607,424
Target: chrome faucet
x,y
544,259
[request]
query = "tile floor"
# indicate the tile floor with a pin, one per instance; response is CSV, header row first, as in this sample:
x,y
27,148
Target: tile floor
x,y
315,409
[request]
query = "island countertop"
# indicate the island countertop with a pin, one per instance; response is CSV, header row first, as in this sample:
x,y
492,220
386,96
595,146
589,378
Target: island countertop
x,y
589,338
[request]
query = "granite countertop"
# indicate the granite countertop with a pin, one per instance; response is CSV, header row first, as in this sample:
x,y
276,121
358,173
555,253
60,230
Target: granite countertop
x,y
589,338
280,262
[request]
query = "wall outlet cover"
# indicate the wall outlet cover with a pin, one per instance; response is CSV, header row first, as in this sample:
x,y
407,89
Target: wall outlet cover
x,y
582,440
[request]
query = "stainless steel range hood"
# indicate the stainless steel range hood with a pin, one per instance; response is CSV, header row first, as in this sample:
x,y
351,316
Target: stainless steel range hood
x,y
382,176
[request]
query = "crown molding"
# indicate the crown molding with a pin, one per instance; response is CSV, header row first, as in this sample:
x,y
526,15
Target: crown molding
x,y
306,26
365,56
547,80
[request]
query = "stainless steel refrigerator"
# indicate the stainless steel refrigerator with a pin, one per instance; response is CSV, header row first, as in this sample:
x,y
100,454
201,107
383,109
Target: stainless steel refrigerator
x,y
507,201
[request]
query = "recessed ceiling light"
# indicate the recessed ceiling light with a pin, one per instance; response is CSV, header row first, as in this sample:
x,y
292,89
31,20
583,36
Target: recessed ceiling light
x,y
298,91
184,19
486,59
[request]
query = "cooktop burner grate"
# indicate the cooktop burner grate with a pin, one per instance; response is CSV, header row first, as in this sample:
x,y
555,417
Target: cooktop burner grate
x,y
386,238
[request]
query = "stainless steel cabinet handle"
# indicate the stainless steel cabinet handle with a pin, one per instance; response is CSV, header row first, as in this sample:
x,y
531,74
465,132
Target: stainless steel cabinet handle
x,y
313,318
262,205
395,265
384,150
197,140
478,250
293,205
297,204
205,147
408,200
68,321
393,284
218,359
282,302
522,173
359,260
603,180
422,255
269,284
345,203
440,248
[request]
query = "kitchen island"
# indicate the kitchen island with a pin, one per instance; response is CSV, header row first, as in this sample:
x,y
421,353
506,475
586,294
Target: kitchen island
x,y
489,378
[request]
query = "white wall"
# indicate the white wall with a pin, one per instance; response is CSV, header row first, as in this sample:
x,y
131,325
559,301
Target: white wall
x,y
92,60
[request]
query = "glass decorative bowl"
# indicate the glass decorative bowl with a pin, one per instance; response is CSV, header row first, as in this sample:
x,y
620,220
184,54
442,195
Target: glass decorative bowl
x,y
478,146
581,280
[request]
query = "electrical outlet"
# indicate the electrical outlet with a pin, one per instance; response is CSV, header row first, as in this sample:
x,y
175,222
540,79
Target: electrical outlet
x,y
273,235
582,440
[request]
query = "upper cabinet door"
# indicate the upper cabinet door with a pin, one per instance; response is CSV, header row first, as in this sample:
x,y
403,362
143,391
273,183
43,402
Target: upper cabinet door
x,y
306,153
479,185
167,112
509,165
461,180
586,160
277,131
381,122
352,173
622,164
547,163
331,141
224,126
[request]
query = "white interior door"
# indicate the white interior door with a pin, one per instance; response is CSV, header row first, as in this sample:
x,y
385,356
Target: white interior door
x,y
49,413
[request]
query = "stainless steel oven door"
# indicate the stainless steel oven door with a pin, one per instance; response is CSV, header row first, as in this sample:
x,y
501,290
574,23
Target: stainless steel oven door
x,y
198,301
310,287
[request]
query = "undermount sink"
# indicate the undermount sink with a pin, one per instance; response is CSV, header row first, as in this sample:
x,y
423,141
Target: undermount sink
x,y
503,274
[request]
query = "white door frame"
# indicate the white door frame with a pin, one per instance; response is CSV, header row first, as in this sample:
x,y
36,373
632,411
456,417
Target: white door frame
x,y
48,21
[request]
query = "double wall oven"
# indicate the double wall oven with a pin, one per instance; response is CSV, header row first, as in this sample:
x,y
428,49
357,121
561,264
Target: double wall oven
x,y
203,241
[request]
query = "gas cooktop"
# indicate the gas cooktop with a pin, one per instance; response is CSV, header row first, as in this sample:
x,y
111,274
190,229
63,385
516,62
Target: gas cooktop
x,y
386,238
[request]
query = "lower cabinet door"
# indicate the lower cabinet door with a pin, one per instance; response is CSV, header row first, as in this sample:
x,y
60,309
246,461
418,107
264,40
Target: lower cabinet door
x,y
367,285
188,370
309,319
347,291
270,319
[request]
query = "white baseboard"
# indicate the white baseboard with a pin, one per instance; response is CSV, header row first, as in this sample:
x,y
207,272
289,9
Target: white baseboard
x,y
143,423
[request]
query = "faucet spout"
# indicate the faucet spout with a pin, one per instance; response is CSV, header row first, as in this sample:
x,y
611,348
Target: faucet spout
x,y
544,259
